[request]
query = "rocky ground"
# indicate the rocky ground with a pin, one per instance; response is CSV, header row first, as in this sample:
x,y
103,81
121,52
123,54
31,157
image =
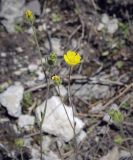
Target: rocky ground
x,y
101,31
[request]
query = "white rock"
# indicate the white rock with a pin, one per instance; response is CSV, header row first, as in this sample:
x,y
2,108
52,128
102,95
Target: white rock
x,y
114,107
3,54
32,67
100,26
51,156
48,10
40,75
63,90
46,143
11,99
56,44
112,155
112,26
105,19
90,91
26,121
42,27
30,31
28,141
56,121
19,49
125,154
107,118
11,12
81,136
35,153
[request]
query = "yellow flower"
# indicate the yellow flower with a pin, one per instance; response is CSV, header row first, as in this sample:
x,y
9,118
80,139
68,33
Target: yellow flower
x,y
56,79
29,16
72,58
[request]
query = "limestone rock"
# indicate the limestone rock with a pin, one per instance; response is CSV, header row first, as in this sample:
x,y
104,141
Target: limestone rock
x,y
11,12
56,121
26,121
11,99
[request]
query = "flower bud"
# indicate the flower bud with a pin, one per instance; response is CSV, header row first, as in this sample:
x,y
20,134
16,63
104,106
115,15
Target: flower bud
x,y
29,16
52,58
56,79
19,142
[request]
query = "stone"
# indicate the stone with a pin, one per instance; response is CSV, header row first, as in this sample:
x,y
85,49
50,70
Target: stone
x,y
3,54
51,156
56,44
28,141
112,155
91,91
100,26
11,99
11,11
46,143
32,67
56,121
40,75
112,26
125,155
19,49
35,153
30,31
63,90
107,118
42,27
105,19
26,121
81,136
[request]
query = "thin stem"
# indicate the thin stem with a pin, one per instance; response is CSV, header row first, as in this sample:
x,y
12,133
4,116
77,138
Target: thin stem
x,y
48,86
21,154
65,109
61,157
71,104
42,121
128,147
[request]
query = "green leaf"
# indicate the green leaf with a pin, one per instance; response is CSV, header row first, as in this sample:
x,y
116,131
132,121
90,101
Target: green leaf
x,y
27,100
118,139
119,64
56,17
116,116
125,105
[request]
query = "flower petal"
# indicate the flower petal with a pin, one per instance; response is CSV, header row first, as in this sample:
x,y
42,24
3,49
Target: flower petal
x,y
66,59
77,58
71,53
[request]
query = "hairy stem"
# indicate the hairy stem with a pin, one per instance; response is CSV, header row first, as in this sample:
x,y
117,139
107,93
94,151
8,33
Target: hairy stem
x,y
21,154
65,109
42,121
71,104
48,86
